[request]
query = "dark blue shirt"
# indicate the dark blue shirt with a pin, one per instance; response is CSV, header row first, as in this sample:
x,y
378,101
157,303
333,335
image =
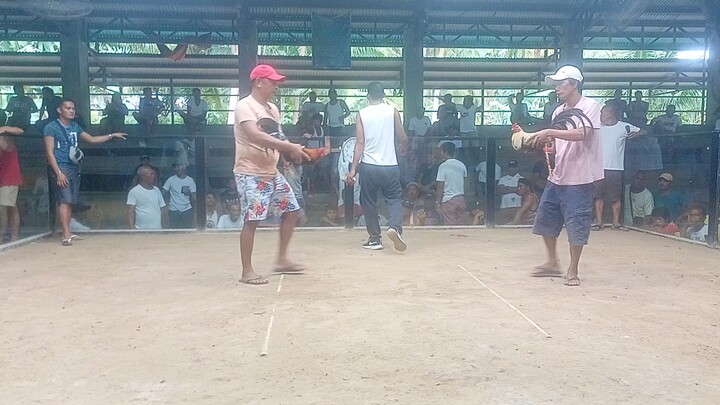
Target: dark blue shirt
x,y
62,143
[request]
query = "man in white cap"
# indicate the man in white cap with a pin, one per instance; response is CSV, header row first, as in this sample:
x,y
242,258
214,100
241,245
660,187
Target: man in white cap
x,y
568,196
261,187
376,128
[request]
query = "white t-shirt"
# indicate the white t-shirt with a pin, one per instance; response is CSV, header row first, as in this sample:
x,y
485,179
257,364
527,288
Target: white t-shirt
x,y
612,140
467,118
419,126
700,234
378,121
148,207
481,170
641,205
510,200
211,220
334,115
197,110
453,172
309,108
180,190
226,222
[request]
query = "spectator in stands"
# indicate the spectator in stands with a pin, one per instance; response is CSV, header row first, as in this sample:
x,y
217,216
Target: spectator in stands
x,y
447,116
525,214
481,186
675,201
450,189
211,215
10,181
419,124
312,107
50,104
519,113
411,203
507,187
477,215
418,127
115,112
661,222
639,204
429,214
61,141
620,104
637,111
696,227
145,162
427,172
550,106
230,195
181,189
613,135
196,115
468,110
668,123
331,217
233,219
21,106
149,110
145,202
540,175
335,113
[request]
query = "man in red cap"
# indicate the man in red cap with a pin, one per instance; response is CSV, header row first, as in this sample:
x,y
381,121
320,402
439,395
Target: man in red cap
x,y
261,187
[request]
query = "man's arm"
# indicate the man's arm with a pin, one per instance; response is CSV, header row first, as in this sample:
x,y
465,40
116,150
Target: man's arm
x,y
193,200
526,204
256,136
131,216
164,217
11,130
359,149
50,155
346,110
537,139
101,138
439,191
400,134
325,116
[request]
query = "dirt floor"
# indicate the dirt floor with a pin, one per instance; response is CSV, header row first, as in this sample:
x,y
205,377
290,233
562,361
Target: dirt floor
x,y
162,319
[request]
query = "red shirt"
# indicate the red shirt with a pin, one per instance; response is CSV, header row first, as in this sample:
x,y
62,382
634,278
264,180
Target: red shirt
x,y
10,168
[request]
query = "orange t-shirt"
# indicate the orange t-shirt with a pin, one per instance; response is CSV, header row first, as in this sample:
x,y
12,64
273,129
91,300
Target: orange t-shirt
x,y
250,158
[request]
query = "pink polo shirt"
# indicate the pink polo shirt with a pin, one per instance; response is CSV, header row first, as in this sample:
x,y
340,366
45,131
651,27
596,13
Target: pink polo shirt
x,y
579,162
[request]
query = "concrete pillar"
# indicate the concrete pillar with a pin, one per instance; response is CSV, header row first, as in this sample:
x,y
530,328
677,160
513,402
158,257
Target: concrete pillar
x,y
413,69
74,71
247,50
571,44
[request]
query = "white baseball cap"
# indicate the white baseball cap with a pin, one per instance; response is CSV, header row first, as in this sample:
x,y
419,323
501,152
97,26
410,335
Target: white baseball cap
x,y
566,72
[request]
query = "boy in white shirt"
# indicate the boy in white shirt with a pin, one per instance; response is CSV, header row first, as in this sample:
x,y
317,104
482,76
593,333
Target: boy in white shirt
x,y
181,189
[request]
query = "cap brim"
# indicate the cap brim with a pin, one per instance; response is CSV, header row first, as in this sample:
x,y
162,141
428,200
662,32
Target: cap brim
x,y
554,78
276,77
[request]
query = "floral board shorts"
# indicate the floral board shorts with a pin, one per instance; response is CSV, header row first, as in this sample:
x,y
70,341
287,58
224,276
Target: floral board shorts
x,y
261,197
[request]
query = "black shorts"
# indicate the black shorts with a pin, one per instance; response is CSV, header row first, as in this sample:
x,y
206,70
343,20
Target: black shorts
x,y
610,188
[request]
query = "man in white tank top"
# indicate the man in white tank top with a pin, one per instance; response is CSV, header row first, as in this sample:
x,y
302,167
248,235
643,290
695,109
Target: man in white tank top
x,y
377,127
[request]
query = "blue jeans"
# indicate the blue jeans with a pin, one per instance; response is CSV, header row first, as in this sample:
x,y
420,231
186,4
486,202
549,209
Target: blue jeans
x,y
566,205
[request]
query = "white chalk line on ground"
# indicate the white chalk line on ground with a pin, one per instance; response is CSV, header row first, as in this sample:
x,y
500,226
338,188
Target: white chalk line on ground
x,y
266,344
547,335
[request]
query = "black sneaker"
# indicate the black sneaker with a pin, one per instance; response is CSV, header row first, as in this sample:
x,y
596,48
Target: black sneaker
x,y
397,239
373,244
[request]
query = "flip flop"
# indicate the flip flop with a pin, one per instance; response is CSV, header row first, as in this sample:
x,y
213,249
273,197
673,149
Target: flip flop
x,y
66,242
295,268
620,228
255,281
572,282
76,237
597,227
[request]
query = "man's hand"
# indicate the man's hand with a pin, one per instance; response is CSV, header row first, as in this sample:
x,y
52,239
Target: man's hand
x,y
537,139
119,135
350,179
62,180
404,148
296,155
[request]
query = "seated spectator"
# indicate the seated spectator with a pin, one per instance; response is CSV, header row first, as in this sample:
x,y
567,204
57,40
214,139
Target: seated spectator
x,y
666,197
540,174
145,202
450,189
525,215
477,215
196,115
639,204
331,217
149,111
668,123
181,189
50,104
114,112
507,187
233,219
696,227
481,186
412,195
427,172
429,214
211,215
662,223
230,195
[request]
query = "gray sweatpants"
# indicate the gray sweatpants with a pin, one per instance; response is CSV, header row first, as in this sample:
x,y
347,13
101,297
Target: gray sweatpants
x,y
385,180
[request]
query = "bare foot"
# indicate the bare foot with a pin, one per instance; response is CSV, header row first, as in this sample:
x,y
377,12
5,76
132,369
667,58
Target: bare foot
x,y
549,269
286,266
252,278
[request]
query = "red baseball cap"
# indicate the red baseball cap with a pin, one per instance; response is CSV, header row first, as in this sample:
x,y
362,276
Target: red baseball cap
x,y
266,72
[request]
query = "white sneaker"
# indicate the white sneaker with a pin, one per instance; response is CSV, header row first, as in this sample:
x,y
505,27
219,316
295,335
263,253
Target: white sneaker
x,y
398,242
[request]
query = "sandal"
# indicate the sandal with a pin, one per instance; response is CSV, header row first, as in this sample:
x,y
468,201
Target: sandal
x,y
66,242
620,228
597,227
255,281
76,237
572,282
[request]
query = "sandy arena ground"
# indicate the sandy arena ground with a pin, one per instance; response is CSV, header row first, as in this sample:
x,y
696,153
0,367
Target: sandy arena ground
x,y
161,319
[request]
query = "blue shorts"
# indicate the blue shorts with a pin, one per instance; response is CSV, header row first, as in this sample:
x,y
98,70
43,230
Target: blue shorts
x,y
69,194
566,205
